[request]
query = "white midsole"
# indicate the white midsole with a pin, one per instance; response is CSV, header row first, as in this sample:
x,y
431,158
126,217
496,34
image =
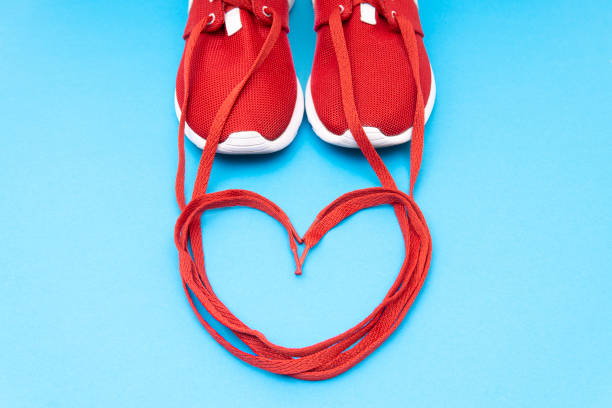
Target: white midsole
x,y
376,136
250,141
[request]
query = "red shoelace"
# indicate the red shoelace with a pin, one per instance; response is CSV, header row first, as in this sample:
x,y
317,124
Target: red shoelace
x,y
334,356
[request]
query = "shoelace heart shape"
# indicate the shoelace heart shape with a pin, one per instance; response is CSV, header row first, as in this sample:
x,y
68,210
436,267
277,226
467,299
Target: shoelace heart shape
x,y
336,355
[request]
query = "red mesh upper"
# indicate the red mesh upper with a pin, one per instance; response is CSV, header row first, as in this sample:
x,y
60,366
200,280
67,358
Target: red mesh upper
x,y
219,62
385,92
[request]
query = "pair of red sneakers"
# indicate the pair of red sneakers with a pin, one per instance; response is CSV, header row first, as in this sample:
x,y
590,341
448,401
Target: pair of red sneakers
x,y
266,115
236,92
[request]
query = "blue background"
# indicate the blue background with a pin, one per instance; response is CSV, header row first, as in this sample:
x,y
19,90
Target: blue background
x,y
516,187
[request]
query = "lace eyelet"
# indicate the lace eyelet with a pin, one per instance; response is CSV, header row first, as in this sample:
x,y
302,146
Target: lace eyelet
x,y
211,19
341,7
394,14
265,13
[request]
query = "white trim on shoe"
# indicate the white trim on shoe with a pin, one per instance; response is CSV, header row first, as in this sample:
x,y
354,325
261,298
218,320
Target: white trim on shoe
x,y
250,141
376,136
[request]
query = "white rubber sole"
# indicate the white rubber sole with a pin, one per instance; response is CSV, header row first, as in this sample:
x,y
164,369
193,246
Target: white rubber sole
x,y
376,136
250,141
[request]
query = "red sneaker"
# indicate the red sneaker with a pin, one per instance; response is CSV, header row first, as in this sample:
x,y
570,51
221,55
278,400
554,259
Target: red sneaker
x,y
267,111
384,81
